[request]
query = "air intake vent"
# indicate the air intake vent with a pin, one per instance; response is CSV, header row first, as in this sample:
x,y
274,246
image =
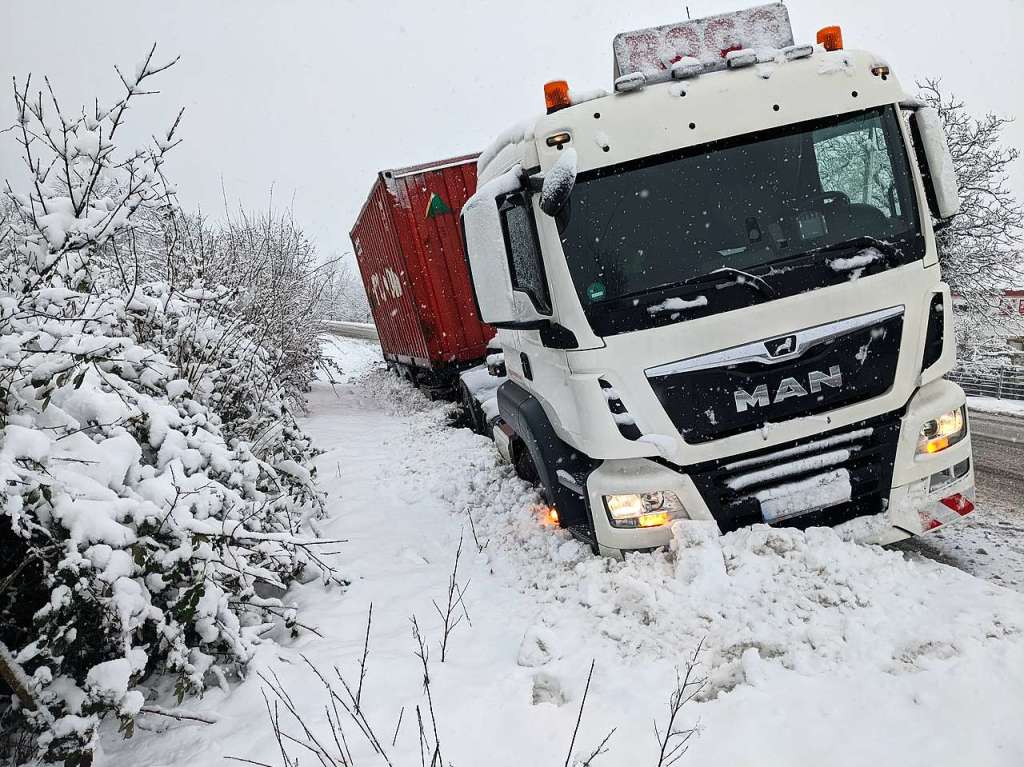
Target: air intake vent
x,y
936,332
627,426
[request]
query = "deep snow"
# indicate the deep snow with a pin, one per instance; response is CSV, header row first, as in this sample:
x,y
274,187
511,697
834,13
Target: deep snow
x,y
817,650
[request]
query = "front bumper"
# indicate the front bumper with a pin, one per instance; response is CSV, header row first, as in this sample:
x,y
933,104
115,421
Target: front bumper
x,y
895,493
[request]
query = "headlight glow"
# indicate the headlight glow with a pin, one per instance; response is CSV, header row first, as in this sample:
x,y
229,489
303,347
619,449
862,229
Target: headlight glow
x,y
643,509
942,432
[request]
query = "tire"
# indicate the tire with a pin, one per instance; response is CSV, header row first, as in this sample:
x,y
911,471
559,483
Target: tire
x,y
471,410
526,469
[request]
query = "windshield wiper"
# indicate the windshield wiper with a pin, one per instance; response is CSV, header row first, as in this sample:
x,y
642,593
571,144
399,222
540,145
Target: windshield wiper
x,y
889,251
734,277
725,274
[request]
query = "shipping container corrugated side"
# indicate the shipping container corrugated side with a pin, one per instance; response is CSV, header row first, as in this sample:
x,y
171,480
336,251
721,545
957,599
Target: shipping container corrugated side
x,y
409,250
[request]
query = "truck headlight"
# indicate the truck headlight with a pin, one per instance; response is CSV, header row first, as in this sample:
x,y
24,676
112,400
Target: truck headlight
x,y
643,510
942,432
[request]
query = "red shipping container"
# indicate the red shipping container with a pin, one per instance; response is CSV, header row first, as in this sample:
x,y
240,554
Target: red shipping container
x,y
409,250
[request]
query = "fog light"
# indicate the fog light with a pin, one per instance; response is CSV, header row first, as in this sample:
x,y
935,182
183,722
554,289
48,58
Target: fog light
x,y
942,432
642,510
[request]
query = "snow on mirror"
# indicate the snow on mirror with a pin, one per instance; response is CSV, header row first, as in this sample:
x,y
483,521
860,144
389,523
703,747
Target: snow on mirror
x,y
940,162
559,182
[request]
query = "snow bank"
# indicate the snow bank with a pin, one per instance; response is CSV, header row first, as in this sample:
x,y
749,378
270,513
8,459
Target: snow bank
x,y
810,600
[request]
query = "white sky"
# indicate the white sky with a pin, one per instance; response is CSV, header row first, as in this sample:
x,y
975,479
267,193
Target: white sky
x,y
313,97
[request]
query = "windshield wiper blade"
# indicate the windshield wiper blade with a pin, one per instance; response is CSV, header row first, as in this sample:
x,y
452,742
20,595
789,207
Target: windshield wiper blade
x,y
734,277
722,275
647,291
863,242
889,251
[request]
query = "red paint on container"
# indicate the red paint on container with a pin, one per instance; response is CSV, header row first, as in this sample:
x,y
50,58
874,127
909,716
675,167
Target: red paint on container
x,y
409,249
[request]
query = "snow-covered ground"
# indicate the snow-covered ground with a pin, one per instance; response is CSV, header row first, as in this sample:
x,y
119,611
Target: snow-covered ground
x,y
816,650
348,359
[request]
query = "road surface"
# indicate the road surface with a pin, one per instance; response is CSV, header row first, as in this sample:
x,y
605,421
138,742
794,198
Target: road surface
x,y
366,330
989,543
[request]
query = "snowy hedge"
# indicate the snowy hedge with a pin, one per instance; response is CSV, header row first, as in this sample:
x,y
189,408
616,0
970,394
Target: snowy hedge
x,y
155,485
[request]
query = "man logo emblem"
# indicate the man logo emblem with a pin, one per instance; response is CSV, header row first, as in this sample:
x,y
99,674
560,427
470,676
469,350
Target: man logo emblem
x,y
780,346
787,388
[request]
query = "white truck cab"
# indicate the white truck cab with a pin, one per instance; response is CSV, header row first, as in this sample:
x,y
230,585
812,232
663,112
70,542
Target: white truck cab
x,y
718,295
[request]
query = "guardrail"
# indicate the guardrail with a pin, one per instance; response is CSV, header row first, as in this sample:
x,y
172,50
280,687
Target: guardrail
x,y
352,329
1002,384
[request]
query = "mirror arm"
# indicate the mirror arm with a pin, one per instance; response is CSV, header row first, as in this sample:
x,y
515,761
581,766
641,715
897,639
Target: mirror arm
x,y
552,335
912,104
555,336
521,325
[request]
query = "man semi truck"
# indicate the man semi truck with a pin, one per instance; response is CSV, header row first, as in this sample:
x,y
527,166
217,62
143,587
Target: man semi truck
x,y
717,291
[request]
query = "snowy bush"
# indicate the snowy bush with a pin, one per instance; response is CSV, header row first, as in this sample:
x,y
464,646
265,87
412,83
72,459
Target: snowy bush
x,y
349,303
153,478
266,272
271,279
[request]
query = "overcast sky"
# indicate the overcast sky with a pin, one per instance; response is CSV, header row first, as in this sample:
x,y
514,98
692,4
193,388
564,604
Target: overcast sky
x,y
313,97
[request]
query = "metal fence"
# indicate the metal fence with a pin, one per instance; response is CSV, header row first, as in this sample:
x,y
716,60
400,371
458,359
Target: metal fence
x,y
1003,384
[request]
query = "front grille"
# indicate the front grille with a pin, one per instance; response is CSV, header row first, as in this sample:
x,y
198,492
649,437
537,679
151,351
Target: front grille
x,y
806,478
739,390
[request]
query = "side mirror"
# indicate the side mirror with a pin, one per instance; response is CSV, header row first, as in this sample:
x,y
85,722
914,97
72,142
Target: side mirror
x,y
503,298
559,182
933,151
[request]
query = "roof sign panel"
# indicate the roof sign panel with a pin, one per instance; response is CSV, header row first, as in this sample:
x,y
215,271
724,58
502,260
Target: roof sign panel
x,y
653,51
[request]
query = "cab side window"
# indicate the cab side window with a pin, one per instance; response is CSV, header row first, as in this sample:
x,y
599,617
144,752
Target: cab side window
x,y
523,247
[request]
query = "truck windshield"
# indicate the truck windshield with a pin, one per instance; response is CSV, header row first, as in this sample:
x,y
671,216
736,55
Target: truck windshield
x,y
816,193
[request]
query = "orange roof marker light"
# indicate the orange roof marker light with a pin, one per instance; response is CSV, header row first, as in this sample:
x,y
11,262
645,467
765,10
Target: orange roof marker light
x,y
831,38
556,95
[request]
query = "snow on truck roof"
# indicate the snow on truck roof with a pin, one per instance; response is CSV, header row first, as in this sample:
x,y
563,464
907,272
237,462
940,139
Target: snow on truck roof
x,y
681,54
805,81
708,40
703,42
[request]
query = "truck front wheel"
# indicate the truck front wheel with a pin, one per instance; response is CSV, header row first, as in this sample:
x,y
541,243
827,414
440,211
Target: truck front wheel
x,y
525,468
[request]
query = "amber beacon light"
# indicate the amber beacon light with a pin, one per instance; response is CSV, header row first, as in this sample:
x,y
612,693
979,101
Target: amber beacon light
x,y
556,95
831,38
